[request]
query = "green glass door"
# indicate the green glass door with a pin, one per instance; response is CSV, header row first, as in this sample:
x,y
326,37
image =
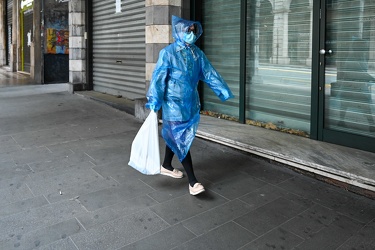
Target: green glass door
x,y
347,60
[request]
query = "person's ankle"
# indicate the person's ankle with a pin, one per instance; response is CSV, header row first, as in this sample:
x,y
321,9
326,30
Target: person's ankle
x,y
170,168
193,183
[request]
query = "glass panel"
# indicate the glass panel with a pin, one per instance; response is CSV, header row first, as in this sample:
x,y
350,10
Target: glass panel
x,y
221,33
350,68
279,64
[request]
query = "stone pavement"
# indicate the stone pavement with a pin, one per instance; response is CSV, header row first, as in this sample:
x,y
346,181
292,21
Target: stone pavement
x,y
65,184
8,78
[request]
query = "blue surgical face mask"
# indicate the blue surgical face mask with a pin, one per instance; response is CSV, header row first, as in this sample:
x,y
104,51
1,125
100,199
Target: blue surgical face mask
x,y
190,37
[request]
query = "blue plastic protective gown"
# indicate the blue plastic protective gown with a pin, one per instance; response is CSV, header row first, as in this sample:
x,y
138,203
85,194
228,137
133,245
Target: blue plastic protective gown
x,y
174,85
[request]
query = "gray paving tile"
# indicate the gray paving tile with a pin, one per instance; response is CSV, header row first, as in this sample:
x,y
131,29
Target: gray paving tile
x,y
77,147
237,186
269,193
118,170
43,236
111,196
13,182
6,157
14,194
333,236
226,237
10,170
75,191
363,239
55,169
105,155
120,232
7,144
268,172
31,155
45,137
269,216
204,222
77,178
184,207
352,205
123,139
65,244
118,210
59,165
36,218
166,188
23,205
218,165
166,239
263,195
311,221
7,164
275,239
37,120
102,127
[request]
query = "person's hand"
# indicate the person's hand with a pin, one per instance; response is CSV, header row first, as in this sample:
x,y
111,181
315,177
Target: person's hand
x,y
153,108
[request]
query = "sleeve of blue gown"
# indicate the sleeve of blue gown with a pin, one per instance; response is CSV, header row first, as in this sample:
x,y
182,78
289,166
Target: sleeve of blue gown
x,y
156,90
214,80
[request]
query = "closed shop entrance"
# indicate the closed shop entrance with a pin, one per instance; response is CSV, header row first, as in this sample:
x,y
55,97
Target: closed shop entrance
x,y
299,66
118,47
347,73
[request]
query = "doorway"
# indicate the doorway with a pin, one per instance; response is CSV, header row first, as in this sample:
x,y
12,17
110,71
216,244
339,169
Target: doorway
x,y
26,37
347,73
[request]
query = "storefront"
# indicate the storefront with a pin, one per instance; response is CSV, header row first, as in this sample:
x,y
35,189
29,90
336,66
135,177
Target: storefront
x,y
300,66
118,47
55,42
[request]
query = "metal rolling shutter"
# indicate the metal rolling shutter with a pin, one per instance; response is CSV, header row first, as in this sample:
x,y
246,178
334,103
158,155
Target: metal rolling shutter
x,y
9,29
119,54
222,47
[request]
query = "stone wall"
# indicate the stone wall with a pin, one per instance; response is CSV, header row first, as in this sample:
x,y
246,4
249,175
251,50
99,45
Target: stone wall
x,y
77,46
158,36
2,33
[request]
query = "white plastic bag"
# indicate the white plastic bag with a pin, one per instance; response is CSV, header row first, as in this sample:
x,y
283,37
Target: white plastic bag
x,y
145,155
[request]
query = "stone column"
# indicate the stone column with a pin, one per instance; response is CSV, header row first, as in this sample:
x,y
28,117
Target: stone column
x,y
158,30
77,46
36,44
3,35
14,57
280,35
158,35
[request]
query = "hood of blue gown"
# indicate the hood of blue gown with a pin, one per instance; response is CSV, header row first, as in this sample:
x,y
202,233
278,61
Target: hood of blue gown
x,y
180,27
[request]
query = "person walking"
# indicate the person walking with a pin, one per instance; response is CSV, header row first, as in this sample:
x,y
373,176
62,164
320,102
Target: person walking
x,y
174,89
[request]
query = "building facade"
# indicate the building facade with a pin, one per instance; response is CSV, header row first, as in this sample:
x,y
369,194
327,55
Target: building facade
x,y
299,66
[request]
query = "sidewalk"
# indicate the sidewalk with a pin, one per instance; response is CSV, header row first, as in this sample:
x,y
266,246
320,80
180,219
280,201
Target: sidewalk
x,y
65,184
347,167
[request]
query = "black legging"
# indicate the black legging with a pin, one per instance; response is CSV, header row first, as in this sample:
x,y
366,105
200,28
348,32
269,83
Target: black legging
x,y
186,163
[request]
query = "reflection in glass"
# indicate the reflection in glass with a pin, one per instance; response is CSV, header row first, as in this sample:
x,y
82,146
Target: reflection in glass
x,y
221,42
279,63
350,71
